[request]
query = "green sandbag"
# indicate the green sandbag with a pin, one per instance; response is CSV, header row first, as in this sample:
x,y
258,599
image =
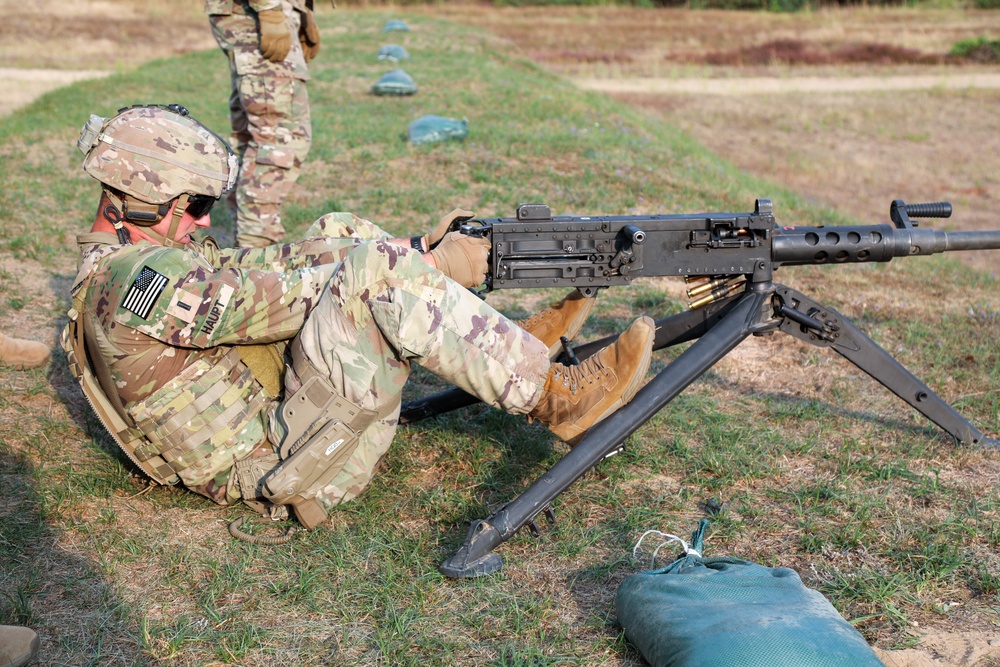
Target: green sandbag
x,y
395,25
429,129
393,53
725,612
396,82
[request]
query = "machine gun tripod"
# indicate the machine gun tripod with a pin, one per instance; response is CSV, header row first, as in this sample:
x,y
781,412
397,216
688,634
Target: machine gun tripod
x,y
731,307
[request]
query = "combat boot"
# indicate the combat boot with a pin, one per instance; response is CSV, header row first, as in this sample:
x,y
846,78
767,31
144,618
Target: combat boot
x,y
577,397
22,353
565,318
18,645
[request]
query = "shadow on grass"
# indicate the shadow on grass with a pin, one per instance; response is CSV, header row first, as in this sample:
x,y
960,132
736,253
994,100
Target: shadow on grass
x,y
47,585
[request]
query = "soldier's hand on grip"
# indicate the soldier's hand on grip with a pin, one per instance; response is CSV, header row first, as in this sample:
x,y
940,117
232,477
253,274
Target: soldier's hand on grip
x,y
308,35
463,258
434,236
275,39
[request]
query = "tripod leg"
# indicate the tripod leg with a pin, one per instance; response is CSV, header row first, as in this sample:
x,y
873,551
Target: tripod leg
x,y
476,558
816,324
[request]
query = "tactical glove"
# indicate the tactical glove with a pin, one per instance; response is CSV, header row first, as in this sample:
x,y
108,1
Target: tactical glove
x,y
275,39
463,258
308,35
434,237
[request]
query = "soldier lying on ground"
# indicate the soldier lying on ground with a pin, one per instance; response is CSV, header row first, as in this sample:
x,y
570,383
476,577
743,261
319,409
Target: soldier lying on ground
x,y
229,369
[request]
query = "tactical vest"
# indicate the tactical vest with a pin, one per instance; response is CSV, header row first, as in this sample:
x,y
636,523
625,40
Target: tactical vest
x,y
209,418
191,428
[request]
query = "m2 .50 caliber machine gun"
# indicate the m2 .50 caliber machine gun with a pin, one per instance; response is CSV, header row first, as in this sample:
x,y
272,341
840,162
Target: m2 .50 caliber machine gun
x,y
728,260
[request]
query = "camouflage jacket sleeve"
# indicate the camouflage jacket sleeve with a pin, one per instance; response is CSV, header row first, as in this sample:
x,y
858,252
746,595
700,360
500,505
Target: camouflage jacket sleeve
x,y
327,241
180,298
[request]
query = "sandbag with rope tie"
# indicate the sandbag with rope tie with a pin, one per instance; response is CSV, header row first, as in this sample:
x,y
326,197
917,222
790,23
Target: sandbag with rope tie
x,y
727,612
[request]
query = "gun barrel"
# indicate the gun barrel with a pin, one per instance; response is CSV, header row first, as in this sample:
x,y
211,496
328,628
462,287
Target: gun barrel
x,y
974,240
871,243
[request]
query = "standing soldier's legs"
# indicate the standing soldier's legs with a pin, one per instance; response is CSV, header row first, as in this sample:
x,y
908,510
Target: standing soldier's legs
x,y
230,32
386,308
278,135
240,137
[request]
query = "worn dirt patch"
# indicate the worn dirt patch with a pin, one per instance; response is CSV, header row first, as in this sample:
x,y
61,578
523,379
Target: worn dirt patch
x,y
23,86
98,34
762,85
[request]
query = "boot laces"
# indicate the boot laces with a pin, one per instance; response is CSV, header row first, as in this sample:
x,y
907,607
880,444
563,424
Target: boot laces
x,y
575,377
536,319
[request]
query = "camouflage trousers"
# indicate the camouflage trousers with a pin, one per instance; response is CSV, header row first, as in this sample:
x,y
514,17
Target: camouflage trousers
x,y
385,309
272,133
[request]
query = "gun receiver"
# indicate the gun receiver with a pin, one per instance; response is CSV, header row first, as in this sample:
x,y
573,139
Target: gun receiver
x,y
535,249
728,261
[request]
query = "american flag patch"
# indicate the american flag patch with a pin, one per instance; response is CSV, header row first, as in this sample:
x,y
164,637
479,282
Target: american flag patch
x,y
144,291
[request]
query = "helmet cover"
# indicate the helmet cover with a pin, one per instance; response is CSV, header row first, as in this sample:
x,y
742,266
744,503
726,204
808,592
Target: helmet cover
x,y
155,154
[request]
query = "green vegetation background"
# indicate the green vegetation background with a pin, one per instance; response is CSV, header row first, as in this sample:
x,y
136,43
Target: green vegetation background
x,y
111,578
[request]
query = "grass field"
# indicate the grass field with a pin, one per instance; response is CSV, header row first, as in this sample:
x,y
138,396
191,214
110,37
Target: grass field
x,y
799,460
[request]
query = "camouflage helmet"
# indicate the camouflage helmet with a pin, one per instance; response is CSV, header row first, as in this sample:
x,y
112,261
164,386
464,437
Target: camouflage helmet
x,y
157,153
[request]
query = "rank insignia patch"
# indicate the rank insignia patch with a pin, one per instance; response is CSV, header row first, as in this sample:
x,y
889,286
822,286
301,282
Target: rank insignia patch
x,y
144,292
184,306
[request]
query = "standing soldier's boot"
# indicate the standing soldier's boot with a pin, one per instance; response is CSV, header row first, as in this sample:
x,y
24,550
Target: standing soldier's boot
x,y
18,645
565,318
577,397
22,353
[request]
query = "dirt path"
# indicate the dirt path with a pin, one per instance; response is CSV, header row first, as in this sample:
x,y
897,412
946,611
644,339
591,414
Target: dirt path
x,y
796,84
23,86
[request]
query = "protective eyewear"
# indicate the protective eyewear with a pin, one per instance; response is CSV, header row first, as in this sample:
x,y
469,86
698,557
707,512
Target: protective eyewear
x,y
200,205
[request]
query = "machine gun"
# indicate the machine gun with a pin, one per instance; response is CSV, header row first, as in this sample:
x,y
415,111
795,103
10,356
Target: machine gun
x,y
728,261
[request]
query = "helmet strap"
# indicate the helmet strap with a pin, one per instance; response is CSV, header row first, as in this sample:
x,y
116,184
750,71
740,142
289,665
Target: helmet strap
x,y
144,215
168,240
179,208
112,213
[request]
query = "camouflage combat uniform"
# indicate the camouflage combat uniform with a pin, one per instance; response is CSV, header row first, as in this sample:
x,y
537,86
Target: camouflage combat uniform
x,y
173,322
269,112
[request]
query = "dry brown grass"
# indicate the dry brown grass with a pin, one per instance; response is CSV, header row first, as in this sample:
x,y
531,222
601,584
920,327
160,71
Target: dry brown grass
x,y
99,34
630,42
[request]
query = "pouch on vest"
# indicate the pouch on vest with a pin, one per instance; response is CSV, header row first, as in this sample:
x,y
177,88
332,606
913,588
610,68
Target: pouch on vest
x,y
726,612
218,7
322,430
203,419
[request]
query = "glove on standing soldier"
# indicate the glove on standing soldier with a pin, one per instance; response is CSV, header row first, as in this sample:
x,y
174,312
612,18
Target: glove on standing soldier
x,y
309,34
275,40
